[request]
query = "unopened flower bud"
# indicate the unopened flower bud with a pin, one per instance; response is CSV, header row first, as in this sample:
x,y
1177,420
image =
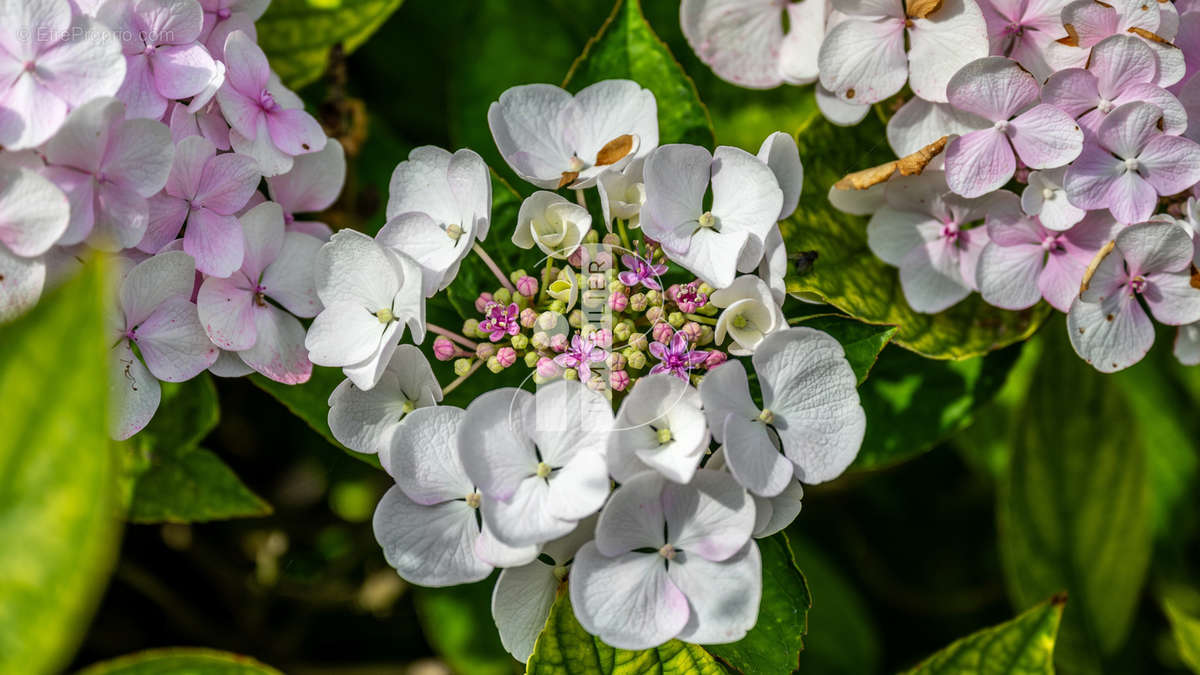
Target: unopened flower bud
x,y
502,296
591,237
443,348
706,336
662,332
705,288
618,302
531,359
602,337
506,356
637,302
482,302
637,360
470,328
616,287
612,239
618,380
576,319
529,317
653,297
527,286
639,341
570,374
546,367
621,332
558,306
494,365
708,310
616,361
692,330
540,340
576,258
515,275
676,319
519,341
558,342
654,314
548,320
715,358
485,349
462,366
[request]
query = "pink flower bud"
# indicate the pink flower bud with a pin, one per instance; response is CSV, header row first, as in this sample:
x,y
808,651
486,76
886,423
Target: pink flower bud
x,y
714,359
485,350
506,356
602,338
527,286
654,314
662,332
482,302
529,317
618,302
692,330
558,342
546,367
576,259
443,349
618,380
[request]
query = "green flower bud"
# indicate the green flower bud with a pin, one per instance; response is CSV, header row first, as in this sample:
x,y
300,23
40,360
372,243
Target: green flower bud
x,y
709,310
493,364
637,360
705,289
531,359
576,319
653,298
502,296
462,366
676,319
570,374
470,328
558,306
591,237
516,275
616,287
639,341
540,340
637,302
621,332
519,341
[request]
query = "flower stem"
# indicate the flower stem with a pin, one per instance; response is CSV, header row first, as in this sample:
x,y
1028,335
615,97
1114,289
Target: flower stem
x,y
624,235
581,198
487,260
444,332
701,319
462,378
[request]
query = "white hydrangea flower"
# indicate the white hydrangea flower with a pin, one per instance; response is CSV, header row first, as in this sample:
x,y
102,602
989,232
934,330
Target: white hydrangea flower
x,y
771,514
660,426
364,420
750,314
557,226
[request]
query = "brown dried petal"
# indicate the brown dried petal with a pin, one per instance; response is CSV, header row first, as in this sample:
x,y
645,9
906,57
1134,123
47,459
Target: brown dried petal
x,y
1095,264
1153,37
568,177
614,150
909,165
919,9
1072,39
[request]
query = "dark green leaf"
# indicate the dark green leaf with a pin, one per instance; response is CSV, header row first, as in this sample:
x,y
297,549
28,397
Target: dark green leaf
x,y
298,34
862,342
1023,646
844,639
1186,629
310,402
565,648
1074,512
848,276
58,488
189,486
180,661
627,48
775,642
188,412
912,403
458,624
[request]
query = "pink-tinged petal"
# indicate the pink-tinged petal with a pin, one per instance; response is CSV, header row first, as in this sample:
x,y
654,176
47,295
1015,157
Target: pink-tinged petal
x,y
215,241
628,601
34,212
154,281
289,279
29,114
279,352
314,182
312,228
634,516
1175,118
182,71
1007,224
1172,298
740,41
85,135
226,183
799,55
171,21
1187,344
247,68
134,393
527,124
214,36
241,111
226,308
1128,127
122,216
343,334
892,234
1111,335
1091,182
1073,91
941,44
1045,137
838,110
21,283
995,88
1133,198
1060,279
979,162
1170,163
1171,63
80,189
1007,276
931,278
1120,61
295,132
723,597
50,18
271,160
139,156
919,123
173,342
87,65
711,517
138,92
191,156
429,545
864,61
1150,248
1092,21
166,217
263,230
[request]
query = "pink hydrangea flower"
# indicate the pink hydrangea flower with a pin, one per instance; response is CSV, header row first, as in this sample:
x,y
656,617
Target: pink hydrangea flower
x,y
687,296
268,120
501,321
582,353
745,42
1129,163
222,17
1000,91
205,190
677,357
638,270
1026,31
312,186
1092,22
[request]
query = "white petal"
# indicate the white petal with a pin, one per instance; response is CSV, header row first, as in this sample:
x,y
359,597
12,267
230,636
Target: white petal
x,y
424,456
628,601
521,604
494,443
429,545
723,596
711,517
134,393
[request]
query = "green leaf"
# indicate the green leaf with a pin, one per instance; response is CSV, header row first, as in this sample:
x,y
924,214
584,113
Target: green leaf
x,y
1186,629
1074,512
310,402
912,404
1023,646
298,34
775,642
180,661
847,275
187,413
627,48
457,622
565,648
862,342
58,490
191,486
844,640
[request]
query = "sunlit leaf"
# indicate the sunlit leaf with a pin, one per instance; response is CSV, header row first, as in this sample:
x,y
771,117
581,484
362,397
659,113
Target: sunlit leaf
x,y
1186,629
58,490
298,34
1023,646
180,661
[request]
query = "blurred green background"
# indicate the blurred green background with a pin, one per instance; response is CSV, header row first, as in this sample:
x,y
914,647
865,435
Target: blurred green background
x,y
985,485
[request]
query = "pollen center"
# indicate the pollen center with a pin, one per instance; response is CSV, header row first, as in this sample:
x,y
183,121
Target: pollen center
x,y
664,436
543,470
1132,164
385,315
708,220
473,500
1001,125
408,406
667,551
766,416
1047,194
454,231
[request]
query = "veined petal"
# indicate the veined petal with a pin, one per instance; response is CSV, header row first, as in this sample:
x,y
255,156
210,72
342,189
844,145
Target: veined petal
x,y
628,601
429,545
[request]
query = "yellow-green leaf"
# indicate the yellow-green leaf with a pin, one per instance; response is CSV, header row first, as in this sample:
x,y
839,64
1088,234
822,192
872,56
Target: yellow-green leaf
x,y
847,275
1186,629
180,661
59,520
298,34
565,648
1023,646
